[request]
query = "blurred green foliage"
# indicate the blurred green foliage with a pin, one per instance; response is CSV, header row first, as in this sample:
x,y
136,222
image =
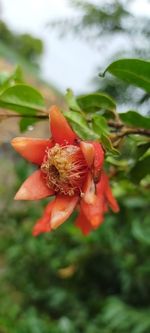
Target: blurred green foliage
x,y
27,46
64,282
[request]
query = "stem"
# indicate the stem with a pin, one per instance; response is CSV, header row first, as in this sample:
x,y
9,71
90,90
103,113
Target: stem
x,y
13,115
121,129
114,124
127,131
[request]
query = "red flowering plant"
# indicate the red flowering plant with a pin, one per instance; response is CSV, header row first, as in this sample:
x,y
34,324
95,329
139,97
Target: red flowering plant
x,y
69,169
71,162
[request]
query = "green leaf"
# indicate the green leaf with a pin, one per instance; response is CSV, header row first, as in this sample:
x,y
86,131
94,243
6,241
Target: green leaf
x,y
25,123
71,101
120,163
100,125
5,81
8,80
106,142
80,125
18,75
147,153
135,119
142,149
140,170
22,99
133,71
95,102
3,78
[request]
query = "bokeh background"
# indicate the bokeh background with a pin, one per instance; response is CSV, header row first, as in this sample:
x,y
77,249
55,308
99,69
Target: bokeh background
x,y
64,282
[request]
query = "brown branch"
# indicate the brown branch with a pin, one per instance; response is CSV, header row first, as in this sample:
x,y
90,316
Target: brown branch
x,y
114,124
127,131
121,129
14,115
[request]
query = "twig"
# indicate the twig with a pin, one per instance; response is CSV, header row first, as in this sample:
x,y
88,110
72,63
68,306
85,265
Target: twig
x,y
114,124
14,115
121,129
127,131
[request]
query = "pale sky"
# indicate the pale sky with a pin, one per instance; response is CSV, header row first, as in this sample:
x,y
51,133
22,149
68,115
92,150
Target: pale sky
x,y
68,62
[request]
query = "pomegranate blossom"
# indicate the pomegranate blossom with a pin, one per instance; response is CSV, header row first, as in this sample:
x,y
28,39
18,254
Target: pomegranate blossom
x,y
69,169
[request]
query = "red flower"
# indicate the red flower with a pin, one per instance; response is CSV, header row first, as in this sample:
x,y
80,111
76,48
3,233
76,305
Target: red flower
x,y
70,170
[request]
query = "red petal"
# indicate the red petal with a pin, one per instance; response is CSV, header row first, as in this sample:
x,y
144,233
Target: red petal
x,y
98,160
89,190
112,201
109,195
34,188
88,152
60,129
93,212
83,223
104,187
31,149
43,224
63,207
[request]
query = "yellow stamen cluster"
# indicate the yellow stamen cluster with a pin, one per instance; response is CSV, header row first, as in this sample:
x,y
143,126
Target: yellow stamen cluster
x,y
65,169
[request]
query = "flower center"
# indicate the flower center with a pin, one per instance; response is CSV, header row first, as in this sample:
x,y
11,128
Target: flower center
x,y
64,169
